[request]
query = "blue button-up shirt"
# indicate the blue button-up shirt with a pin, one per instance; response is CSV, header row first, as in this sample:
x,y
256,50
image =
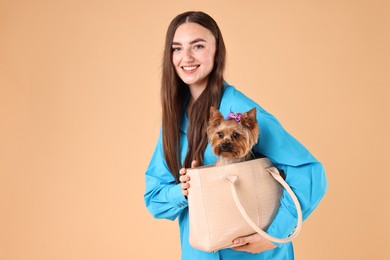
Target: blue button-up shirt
x,y
304,174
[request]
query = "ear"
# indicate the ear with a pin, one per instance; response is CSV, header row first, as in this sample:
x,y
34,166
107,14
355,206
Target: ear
x,y
215,120
249,120
215,116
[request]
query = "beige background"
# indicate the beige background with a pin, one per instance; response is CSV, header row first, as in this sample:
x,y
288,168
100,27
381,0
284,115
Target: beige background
x,y
80,115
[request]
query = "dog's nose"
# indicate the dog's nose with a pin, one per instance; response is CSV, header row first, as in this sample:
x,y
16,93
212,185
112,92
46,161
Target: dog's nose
x,y
224,147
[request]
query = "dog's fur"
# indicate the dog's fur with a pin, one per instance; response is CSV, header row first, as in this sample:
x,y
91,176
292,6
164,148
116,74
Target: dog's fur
x,y
232,141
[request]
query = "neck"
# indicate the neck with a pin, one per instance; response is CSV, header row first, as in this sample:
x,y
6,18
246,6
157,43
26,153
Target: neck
x,y
197,89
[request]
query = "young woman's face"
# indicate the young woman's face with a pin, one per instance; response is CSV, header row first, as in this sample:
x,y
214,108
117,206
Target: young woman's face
x,y
194,49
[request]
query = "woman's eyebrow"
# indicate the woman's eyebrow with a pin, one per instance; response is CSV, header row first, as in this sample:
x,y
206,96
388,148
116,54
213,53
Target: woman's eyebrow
x,y
191,42
198,40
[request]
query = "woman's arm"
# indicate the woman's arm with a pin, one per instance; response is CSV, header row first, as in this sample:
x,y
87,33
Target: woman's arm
x,y
163,196
304,174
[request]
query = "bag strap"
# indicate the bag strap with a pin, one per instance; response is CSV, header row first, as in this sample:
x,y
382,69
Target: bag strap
x,y
232,180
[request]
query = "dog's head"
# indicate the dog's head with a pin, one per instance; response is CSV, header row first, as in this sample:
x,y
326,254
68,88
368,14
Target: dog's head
x,y
235,136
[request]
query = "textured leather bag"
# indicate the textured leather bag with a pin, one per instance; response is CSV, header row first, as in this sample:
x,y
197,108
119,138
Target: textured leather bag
x,y
235,200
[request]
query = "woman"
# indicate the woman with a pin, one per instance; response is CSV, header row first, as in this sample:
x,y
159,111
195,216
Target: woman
x,y
192,81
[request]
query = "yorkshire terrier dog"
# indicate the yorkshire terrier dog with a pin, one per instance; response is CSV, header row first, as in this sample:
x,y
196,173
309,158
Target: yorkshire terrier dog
x,y
232,139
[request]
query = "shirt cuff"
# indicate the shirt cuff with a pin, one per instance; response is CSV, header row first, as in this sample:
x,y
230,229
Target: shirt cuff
x,y
178,198
283,224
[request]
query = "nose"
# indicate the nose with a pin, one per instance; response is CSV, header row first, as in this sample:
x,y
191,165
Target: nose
x,y
188,56
225,147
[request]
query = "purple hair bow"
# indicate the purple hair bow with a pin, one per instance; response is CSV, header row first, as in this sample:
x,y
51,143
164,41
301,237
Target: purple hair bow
x,y
234,116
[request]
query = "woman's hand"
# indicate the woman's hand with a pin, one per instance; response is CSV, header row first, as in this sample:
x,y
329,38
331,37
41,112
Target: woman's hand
x,y
253,244
184,178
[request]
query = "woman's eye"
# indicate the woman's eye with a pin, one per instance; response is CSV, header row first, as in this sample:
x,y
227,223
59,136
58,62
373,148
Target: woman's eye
x,y
235,135
176,49
220,135
197,47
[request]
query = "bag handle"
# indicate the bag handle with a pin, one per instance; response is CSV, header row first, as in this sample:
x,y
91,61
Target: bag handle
x,y
232,180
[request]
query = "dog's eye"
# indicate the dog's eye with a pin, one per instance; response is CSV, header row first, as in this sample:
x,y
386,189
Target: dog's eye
x,y
235,135
220,135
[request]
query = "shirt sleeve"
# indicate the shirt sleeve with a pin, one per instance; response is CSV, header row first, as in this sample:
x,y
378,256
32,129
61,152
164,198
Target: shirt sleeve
x,y
163,196
304,174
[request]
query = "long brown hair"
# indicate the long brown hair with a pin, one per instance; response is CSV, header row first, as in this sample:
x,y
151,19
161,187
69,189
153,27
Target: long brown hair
x,y
174,94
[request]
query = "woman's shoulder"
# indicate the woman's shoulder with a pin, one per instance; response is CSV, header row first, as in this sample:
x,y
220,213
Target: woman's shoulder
x,y
233,100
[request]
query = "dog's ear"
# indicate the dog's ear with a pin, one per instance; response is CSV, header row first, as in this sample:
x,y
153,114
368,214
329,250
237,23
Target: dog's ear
x,y
249,120
215,120
215,117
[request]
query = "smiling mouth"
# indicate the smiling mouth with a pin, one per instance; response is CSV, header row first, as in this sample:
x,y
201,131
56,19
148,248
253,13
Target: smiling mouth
x,y
190,68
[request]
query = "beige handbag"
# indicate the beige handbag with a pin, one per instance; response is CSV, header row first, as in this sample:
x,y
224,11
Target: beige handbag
x,y
235,200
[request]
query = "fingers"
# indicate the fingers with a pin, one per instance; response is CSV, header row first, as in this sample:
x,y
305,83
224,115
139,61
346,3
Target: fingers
x,y
248,239
184,178
183,171
184,181
194,164
245,248
252,244
184,186
242,245
240,241
184,192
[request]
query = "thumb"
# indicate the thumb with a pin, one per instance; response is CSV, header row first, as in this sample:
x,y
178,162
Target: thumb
x,y
240,241
246,239
194,164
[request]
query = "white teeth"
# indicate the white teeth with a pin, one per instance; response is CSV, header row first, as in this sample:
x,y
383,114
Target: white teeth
x,y
190,68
